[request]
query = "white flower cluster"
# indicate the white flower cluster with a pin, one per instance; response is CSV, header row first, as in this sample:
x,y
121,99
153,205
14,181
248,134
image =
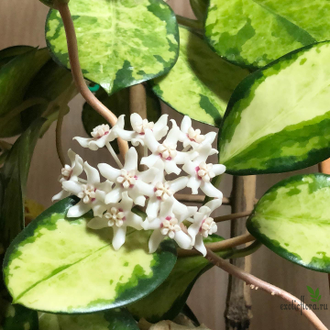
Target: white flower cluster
x,y
125,187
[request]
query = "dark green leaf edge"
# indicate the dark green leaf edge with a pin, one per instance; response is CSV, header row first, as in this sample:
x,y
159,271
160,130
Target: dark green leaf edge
x,y
166,255
274,245
243,89
147,78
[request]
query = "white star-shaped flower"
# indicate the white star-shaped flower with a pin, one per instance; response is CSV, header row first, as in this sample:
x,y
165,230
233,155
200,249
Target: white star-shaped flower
x,y
203,225
166,151
101,135
167,224
164,191
70,173
193,137
137,184
202,173
86,191
119,216
139,125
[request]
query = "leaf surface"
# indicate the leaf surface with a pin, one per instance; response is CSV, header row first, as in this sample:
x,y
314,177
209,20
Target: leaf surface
x,y
254,33
171,296
278,118
293,220
115,319
201,83
131,41
76,269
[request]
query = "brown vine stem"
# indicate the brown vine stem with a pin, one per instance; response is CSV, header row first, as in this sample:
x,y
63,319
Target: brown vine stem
x,y
256,283
218,246
232,216
187,198
78,77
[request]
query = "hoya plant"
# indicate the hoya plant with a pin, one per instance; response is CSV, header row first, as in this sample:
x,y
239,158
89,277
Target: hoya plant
x,y
126,239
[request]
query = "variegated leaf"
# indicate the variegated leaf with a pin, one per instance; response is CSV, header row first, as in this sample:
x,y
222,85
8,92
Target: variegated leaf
x,y
171,296
201,83
293,220
130,42
278,118
59,265
115,319
254,33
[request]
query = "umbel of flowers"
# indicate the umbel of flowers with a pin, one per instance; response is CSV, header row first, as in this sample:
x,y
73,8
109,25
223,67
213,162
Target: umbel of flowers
x,y
180,151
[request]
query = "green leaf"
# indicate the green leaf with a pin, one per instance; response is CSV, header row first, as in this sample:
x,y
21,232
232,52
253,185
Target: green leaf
x,y
201,83
50,83
16,75
131,41
317,292
278,118
119,105
199,8
15,317
169,298
115,319
59,265
13,177
311,291
293,220
254,33
7,54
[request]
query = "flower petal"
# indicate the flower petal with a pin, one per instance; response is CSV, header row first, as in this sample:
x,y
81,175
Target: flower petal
x,y
97,223
160,127
149,160
199,245
131,159
214,204
113,196
219,169
150,141
78,210
183,240
119,236
178,184
185,124
133,220
210,190
154,241
62,194
72,187
84,142
171,167
108,171
93,176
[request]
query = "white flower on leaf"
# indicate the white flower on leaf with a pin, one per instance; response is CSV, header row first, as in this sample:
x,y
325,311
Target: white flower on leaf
x,y
202,173
70,172
119,216
139,125
101,135
85,191
193,137
167,224
203,225
137,184
166,151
